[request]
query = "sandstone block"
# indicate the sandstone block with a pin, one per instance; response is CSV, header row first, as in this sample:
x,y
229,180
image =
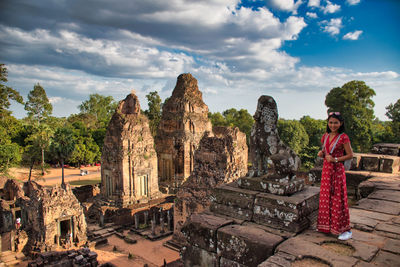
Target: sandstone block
x,y
194,256
389,164
274,185
201,230
246,245
232,196
381,206
235,212
370,163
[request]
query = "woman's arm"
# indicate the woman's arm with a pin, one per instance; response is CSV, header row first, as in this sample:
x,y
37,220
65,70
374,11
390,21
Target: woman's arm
x,y
349,154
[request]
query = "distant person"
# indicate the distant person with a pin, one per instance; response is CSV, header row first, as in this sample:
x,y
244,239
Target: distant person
x,y
18,223
333,216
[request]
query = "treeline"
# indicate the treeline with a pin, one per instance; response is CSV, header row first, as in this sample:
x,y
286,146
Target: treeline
x,y
41,139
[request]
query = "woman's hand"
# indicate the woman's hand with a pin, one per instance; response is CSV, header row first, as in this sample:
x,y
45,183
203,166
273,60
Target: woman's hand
x,y
329,158
321,154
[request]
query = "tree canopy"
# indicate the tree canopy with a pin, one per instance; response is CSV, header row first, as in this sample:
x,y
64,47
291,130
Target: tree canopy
x,y
7,93
101,107
353,101
38,105
393,111
153,112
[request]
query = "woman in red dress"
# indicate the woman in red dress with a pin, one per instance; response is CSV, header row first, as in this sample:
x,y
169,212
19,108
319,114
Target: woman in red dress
x,y
333,215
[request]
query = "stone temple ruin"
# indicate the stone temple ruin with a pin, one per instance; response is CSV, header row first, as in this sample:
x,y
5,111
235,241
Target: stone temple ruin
x,y
220,159
248,218
47,216
184,122
129,161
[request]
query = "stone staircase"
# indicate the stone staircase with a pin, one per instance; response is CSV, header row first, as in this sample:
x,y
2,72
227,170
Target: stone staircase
x,y
248,219
10,258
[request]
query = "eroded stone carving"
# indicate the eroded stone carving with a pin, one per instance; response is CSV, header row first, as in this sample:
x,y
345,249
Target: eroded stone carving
x,y
266,148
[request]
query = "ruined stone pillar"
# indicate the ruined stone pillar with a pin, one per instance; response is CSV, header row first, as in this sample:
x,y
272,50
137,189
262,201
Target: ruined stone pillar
x,y
101,220
162,223
153,227
146,215
136,221
169,220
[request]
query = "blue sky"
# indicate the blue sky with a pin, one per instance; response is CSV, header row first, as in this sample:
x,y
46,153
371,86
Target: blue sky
x,y
295,51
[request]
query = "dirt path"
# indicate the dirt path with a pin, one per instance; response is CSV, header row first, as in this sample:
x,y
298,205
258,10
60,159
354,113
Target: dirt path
x,y
53,175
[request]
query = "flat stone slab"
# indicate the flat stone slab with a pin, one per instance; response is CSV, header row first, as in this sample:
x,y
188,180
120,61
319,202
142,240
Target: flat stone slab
x,y
381,206
389,228
381,183
392,245
365,220
246,245
201,230
362,250
369,238
301,248
389,195
386,259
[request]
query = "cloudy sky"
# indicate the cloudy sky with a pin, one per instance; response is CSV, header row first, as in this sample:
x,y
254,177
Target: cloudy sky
x,y
293,50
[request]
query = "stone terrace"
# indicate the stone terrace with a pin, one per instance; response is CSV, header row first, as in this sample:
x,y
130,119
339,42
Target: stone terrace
x,y
375,220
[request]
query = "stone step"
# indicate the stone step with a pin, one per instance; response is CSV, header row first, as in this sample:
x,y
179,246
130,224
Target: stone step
x,y
274,185
201,230
245,244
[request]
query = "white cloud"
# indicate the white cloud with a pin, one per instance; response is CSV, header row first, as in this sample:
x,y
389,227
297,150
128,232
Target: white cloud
x,y
330,8
313,3
332,26
353,2
352,35
55,99
286,5
312,15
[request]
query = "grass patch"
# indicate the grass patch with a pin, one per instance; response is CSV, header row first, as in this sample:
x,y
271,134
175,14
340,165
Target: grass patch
x,y
84,182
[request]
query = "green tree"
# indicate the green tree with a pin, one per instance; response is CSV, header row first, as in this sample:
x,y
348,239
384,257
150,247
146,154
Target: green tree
x,y
293,134
39,110
86,151
393,111
234,118
10,152
63,144
101,107
353,101
153,112
217,119
7,94
314,128
38,105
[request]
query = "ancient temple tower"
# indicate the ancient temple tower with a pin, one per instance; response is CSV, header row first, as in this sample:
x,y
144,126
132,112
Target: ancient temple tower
x,y
129,161
184,122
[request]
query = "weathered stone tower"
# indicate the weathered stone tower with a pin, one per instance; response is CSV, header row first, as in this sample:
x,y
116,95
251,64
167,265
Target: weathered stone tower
x,y
184,122
129,161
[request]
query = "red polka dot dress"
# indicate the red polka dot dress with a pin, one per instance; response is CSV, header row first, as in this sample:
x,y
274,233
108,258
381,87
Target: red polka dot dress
x,y
333,215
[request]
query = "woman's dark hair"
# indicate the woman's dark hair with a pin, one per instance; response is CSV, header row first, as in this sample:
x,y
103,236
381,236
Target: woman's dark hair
x,y
338,116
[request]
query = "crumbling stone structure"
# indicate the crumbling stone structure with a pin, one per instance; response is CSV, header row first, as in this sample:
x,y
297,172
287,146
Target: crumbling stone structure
x,y
218,160
129,161
184,122
82,257
249,218
47,216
